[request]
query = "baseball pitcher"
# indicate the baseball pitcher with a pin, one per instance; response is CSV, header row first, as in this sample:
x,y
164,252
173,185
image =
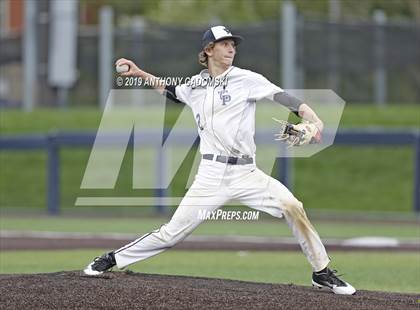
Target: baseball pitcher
x,y
223,100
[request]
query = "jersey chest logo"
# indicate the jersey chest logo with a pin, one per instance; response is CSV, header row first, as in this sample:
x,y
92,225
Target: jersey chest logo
x,y
224,96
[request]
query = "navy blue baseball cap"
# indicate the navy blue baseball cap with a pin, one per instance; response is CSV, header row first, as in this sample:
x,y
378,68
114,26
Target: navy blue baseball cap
x,y
219,33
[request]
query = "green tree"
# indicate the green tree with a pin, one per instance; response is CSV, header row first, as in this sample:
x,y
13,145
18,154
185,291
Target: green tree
x,y
203,12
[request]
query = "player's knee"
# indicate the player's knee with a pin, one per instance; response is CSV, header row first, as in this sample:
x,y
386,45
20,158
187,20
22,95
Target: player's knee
x,y
293,206
292,203
171,237
299,205
165,235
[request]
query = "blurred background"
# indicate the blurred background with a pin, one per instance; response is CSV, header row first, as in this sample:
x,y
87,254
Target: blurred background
x,y
366,51
57,67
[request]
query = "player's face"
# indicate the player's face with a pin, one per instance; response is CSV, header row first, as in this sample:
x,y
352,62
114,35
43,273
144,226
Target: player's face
x,y
224,52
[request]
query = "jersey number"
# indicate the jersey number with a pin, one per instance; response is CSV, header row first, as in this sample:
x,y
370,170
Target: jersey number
x,y
197,117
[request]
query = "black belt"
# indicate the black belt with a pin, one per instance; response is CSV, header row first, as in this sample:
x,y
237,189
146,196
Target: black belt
x,y
245,160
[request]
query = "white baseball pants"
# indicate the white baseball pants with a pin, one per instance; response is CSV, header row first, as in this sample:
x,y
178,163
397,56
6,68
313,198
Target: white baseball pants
x,y
215,184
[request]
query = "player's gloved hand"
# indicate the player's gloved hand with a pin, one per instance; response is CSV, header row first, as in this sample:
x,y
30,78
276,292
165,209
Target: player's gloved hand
x,y
297,134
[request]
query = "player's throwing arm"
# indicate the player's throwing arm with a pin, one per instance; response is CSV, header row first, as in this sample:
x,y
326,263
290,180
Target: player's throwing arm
x,y
126,67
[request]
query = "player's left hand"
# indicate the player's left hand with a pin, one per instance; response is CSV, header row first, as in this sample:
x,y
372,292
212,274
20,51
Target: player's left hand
x,y
298,134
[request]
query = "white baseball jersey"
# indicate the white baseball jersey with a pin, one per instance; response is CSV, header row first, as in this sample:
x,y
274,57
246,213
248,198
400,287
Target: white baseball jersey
x,y
225,114
226,124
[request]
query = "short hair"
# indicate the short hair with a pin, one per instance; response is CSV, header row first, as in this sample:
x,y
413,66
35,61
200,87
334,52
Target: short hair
x,y
203,58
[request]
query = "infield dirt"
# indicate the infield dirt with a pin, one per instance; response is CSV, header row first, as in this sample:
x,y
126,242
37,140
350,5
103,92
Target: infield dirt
x,y
127,290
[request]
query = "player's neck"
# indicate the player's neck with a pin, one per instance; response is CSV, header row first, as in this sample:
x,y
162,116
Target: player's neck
x,y
215,69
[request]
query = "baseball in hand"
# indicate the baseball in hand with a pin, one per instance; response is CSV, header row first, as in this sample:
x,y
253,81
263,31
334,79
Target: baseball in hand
x,y
122,68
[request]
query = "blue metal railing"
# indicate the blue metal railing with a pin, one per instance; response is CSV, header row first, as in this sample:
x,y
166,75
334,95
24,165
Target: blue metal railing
x,y
54,141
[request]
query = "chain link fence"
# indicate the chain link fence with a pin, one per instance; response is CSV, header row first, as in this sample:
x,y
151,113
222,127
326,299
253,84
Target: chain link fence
x,y
342,56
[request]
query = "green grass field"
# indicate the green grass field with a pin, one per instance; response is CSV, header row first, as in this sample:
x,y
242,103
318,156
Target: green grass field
x,y
365,179
47,120
397,272
331,179
365,270
261,227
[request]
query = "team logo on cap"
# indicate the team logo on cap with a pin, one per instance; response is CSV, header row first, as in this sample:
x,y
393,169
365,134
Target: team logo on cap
x,y
227,30
221,32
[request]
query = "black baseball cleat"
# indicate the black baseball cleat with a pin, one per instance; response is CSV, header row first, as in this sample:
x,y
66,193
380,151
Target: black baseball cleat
x,y
327,278
100,264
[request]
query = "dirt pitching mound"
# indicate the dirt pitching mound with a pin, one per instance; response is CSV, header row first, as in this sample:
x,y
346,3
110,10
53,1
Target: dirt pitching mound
x,y
127,290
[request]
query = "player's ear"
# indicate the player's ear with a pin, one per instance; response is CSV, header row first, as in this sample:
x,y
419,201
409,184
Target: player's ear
x,y
209,49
